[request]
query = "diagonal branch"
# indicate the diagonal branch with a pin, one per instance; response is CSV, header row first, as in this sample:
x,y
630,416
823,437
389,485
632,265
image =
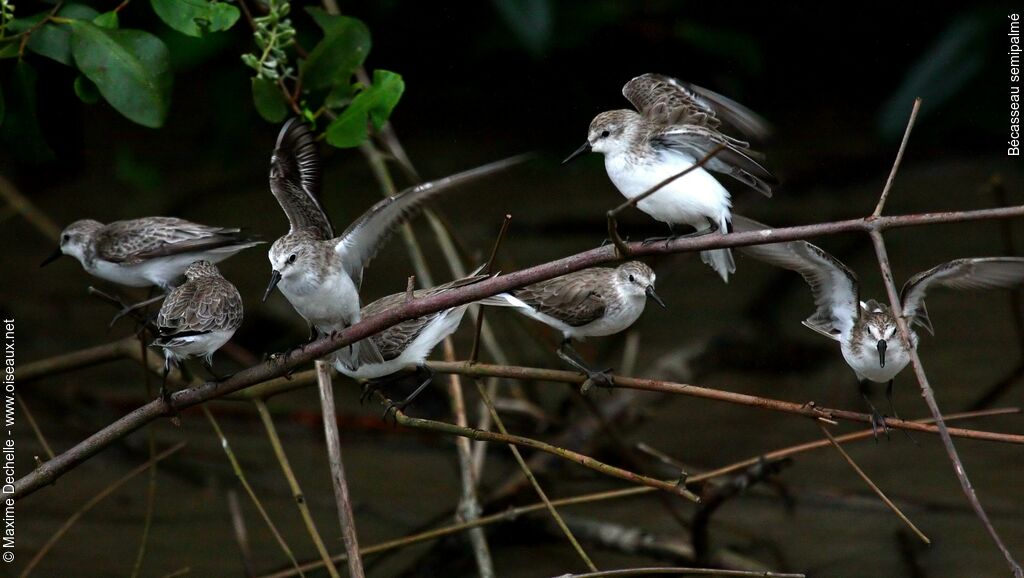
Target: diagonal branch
x,y
929,397
62,463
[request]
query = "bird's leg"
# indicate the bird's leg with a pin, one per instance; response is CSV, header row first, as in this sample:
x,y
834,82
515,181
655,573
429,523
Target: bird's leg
x,y
400,406
877,419
671,236
892,408
594,377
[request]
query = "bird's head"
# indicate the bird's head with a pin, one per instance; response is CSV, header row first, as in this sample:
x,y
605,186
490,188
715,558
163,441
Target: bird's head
x,y
637,279
76,240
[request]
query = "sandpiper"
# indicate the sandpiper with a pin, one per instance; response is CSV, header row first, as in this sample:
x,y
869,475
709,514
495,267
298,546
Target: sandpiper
x,y
676,125
866,330
197,318
405,344
319,273
146,252
590,303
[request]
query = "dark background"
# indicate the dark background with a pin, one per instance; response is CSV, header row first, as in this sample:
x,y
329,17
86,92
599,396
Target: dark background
x,y
489,79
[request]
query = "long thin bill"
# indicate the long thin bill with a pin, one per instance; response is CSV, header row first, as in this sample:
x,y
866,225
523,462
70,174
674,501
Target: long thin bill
x,y
56,255
275,278
585,148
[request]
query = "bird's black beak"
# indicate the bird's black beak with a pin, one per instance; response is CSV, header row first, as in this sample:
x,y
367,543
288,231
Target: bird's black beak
x,y
881,352
653,295
56,255
275,278
582,150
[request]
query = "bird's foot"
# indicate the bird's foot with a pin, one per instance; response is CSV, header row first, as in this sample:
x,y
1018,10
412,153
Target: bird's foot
x,y
878,423
392,408
601,378
368,388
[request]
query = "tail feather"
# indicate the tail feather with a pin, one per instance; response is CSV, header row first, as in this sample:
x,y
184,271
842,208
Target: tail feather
x,y
721,261
503,300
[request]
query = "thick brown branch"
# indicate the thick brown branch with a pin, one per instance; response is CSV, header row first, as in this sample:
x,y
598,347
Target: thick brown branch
x,y
51,470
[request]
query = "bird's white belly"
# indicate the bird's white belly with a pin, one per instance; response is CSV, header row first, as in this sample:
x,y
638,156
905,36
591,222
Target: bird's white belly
x,y
164,272
330,306
864,361
691,199
198,345
613,321
416,352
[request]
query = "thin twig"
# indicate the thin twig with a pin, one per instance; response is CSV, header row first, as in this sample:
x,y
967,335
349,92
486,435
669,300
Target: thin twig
x,y
151,482
32,423
533,481
237,468
64,462
899,159
929,397
293,485
613,226
487,270
92,503
241,532
38,219
583,460
874,487
469,505
570,377
516,512
341,495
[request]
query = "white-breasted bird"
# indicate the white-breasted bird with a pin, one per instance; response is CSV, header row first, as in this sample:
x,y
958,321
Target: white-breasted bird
x,y
320,273
866,330
591,302
675,125
197,318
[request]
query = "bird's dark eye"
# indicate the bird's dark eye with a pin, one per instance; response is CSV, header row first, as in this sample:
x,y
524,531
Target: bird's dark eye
x,y
631,279
292,259
604,134
65,238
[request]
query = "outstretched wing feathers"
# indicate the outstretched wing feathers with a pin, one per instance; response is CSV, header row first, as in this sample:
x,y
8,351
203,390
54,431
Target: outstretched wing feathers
x,y
976,273
833,284
296,177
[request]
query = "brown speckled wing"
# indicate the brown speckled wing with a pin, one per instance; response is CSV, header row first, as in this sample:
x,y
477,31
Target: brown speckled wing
x,y
833,284
976,273
574,299
666,100
296,177
393,340
133,241
363,238
200,306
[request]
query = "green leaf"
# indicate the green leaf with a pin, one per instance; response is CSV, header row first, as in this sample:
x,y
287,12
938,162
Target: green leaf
x,y
340,96
344,47
269,101
130,68
107,20
53,40
20,132
373,104
9,50
196,17
86,90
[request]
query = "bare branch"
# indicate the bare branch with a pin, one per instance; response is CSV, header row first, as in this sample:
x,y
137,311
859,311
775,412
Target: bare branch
x,y
899,159
62,463
872,485
348,523
929,397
